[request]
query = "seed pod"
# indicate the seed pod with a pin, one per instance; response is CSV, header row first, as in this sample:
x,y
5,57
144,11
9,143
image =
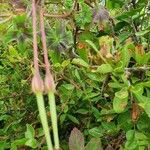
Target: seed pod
x,y
49,82
37,84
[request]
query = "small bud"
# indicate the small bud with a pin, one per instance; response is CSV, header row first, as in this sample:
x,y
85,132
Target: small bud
x,y
49,82
37,83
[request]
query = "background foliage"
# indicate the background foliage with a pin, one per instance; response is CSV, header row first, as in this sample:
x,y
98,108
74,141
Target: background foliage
x,y
101,68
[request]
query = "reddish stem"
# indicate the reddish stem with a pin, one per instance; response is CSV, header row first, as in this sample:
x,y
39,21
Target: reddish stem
x,y
35,47
47,65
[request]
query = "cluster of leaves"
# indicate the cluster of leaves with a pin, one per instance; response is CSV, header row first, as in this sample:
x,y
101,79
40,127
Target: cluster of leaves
x,y
102,73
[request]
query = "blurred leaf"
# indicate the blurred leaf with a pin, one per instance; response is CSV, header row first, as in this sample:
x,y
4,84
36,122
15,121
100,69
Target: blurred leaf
x,y
126,15
130,135
82,111
76,140
80,62
68,86
147,108
125,55
17,143
91,95
55,57
92,45
110,127
73,119
104,68
62,118
142,33
96,112
95,132
32,143
30,133
94,144
2,145
120,100
121,25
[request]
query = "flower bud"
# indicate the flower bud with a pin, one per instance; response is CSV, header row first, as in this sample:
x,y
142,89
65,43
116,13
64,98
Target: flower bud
x,y
49,82
37,83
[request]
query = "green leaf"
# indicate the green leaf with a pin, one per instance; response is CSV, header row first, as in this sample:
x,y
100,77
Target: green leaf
x,y
131,141
13,52
137,90
69,87
126,15
115,85
95,132
143,122
110,127
82,111
130,135
120,100
92,45
2,145
104,68
147,108
91,95
125,55
146,84
124,121
94,144
65,63
123,36
55,57
137,93
142,33
73,119
142,59
16,143
62,118
83,53
76,140
119,68
32,143
96,112
30,133
40,132
80,62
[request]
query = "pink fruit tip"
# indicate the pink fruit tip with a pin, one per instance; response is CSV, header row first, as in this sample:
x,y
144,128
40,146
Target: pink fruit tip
x,y
49,82
37,83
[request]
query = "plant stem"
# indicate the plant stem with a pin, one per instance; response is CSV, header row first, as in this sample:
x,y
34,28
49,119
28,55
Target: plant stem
x,y
49,83
47,65
35,47
37,82
52,104
42,112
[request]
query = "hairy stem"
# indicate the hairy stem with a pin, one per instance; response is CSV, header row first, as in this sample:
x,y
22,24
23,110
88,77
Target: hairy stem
x,y
47,65
54,118
37,82
35,47
42,112
49,83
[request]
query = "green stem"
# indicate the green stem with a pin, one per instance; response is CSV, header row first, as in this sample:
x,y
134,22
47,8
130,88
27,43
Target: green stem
x,y
52,104
42,112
